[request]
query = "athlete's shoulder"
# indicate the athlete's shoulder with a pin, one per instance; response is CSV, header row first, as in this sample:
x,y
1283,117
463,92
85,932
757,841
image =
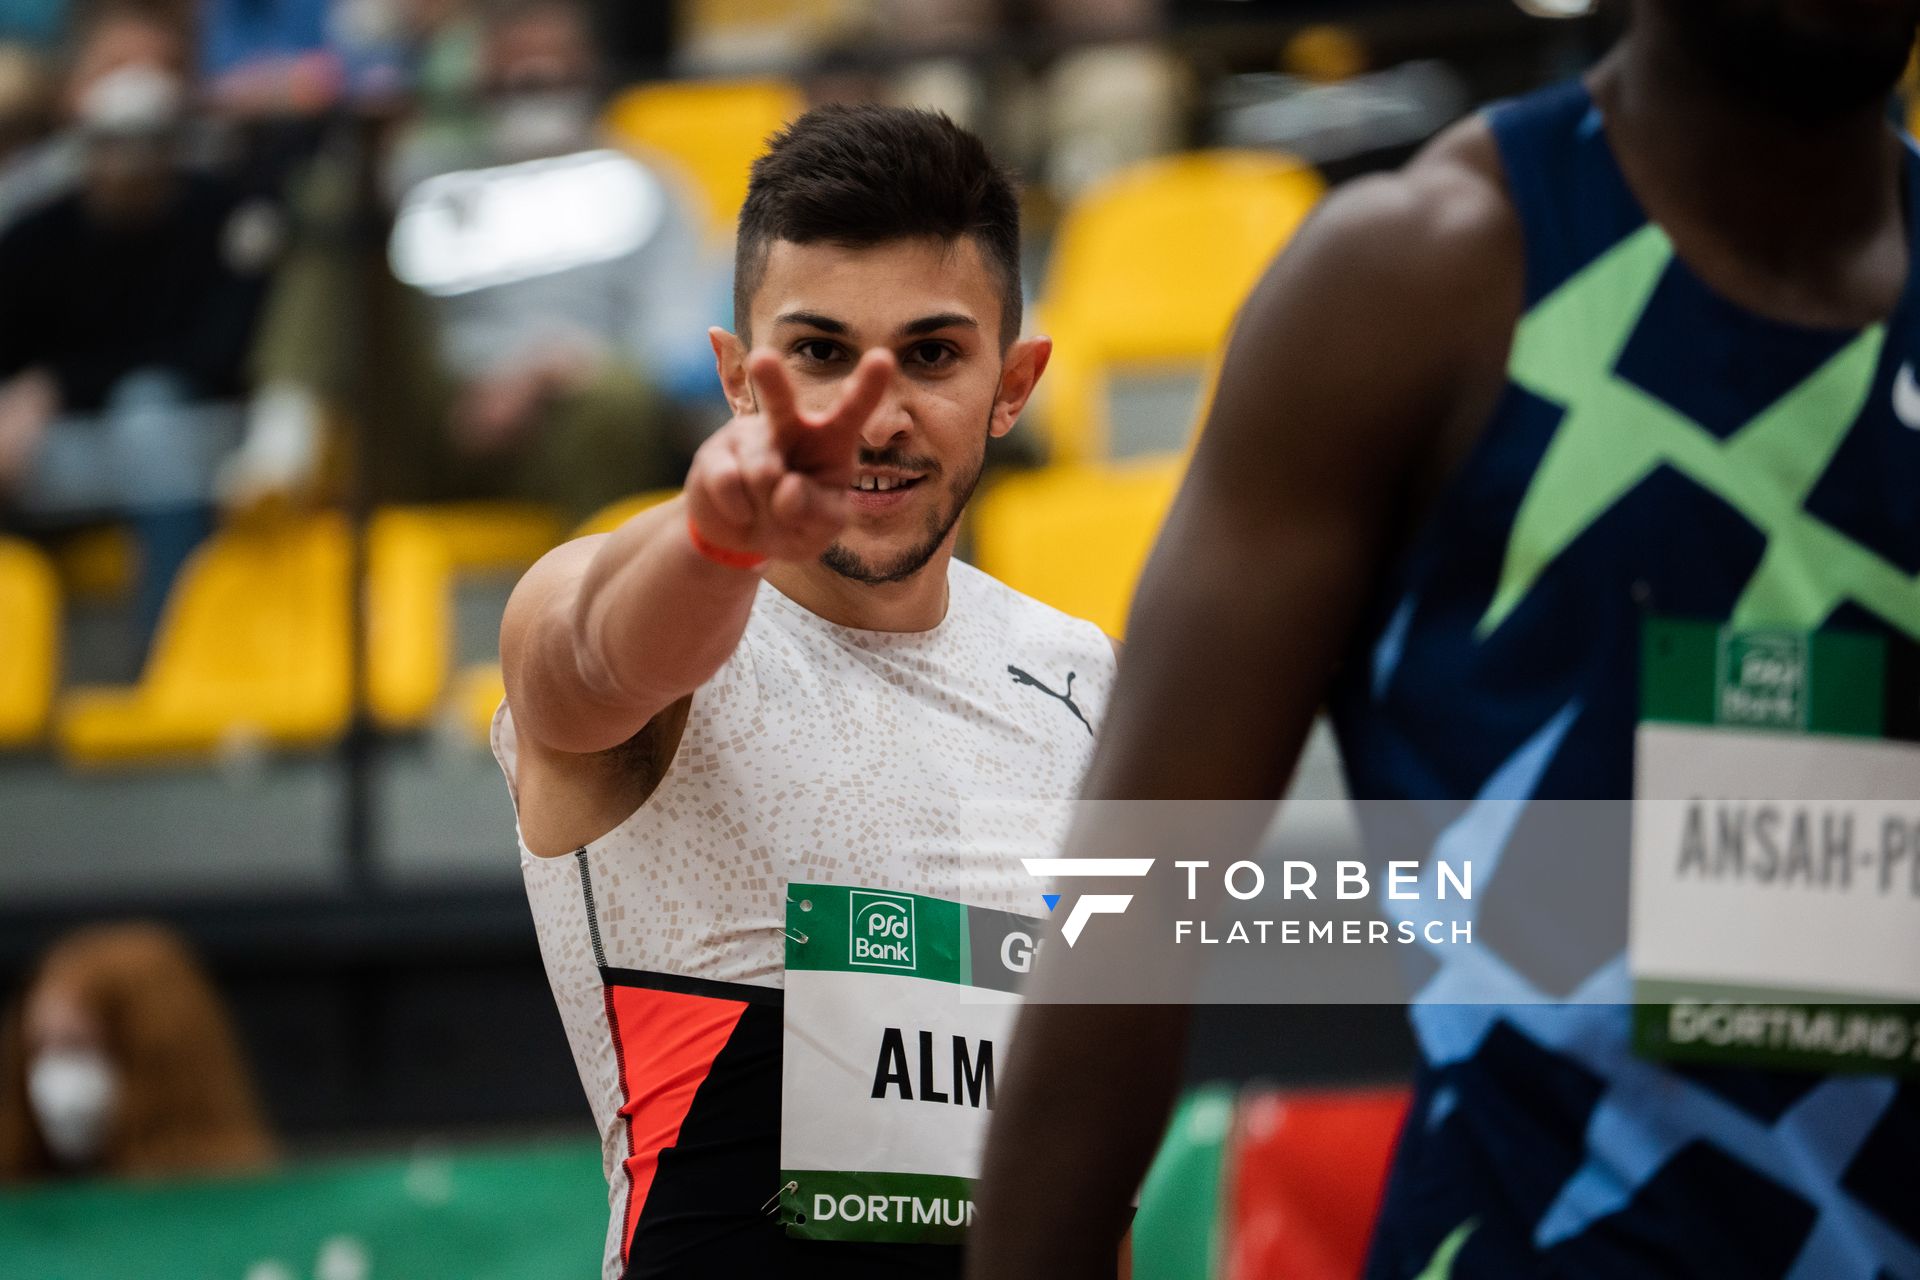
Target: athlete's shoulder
x,y
1014,614
1396,296
1442,227
980,593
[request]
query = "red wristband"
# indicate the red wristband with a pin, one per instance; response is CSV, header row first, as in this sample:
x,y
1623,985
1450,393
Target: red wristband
x,y
721,555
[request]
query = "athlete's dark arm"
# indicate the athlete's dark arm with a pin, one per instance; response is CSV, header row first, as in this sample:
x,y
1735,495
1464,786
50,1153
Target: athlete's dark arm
x,y
1355,367
605,633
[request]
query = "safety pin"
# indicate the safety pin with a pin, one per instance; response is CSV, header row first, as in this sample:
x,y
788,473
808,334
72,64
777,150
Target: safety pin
x,y
800,938
773,1201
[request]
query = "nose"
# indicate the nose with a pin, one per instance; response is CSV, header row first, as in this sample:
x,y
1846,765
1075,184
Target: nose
x,y
892,420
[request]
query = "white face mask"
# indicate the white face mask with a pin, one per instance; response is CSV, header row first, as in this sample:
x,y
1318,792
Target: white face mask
x,y
73,1092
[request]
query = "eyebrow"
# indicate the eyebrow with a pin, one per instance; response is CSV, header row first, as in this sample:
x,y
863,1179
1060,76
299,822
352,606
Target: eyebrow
x,y
912,329
935,323
812,320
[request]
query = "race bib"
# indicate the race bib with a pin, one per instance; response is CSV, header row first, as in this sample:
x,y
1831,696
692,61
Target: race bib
x,y
897,1013
1774,916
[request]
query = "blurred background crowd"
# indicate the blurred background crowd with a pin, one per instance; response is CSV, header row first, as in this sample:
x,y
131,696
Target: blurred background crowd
x,y
319,321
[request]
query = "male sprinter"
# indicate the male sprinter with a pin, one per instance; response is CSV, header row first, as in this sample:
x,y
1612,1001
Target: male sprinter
x,y
785,675
1635,347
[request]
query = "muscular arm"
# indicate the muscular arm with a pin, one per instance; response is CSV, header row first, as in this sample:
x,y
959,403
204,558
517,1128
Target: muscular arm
x,y
606,632
1350,363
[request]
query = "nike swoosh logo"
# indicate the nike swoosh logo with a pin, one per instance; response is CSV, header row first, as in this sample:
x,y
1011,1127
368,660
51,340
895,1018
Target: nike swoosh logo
x,y
1906,397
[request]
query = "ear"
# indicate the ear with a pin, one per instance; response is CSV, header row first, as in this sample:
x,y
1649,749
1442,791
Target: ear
x,y
1019,374
730,359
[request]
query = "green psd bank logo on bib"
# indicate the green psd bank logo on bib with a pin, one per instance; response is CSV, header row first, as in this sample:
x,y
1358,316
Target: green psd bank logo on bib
x,y
1763,679
881,929
897,1015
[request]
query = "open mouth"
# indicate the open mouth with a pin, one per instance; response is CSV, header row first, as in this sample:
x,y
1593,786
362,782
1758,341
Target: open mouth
x,y
876,482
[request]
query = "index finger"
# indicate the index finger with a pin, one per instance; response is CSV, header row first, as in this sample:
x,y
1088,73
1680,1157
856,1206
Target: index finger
x,y
828,439
861,396
825,446
773,392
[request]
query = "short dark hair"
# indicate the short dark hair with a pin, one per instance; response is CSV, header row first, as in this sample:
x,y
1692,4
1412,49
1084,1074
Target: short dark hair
x,y
864,175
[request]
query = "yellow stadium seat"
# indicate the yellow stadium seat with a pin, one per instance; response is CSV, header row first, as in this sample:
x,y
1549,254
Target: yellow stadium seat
x,y
409,617
1076,537
615,514
712,130
97,564
494,537
253,649
1147,274
477,694
29,641
414,555
478,688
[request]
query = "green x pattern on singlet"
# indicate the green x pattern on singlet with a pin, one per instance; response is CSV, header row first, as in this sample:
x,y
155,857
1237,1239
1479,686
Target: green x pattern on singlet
x,y
1614,435
1440,1266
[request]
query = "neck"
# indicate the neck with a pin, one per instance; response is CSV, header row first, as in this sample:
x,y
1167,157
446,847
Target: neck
x,y
1787,189
918,603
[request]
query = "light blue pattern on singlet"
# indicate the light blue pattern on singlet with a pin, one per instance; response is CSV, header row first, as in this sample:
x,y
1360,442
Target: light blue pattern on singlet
x,y
1500,668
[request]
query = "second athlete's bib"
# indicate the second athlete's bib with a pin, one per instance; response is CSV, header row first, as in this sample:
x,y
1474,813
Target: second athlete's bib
x,y
1775,899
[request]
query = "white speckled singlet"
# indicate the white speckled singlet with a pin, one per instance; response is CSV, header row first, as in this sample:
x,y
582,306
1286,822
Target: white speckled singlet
x,y
915,761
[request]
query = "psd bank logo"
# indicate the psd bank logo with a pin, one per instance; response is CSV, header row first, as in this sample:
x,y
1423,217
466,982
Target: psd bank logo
x,y
880,930
1091,904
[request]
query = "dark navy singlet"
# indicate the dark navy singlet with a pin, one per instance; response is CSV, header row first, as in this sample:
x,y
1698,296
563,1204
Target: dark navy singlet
x,y
1500,663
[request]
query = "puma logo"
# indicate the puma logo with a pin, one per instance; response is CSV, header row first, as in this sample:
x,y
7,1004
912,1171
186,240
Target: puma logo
x,y
1021,677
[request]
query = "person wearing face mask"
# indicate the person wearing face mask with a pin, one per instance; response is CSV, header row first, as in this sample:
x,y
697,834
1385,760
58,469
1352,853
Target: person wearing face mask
x,y
563,345
118,1060
549,337
130,303
543,286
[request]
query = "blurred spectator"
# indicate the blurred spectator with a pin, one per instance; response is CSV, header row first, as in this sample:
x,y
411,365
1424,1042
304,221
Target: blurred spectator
x,y
751,36
729,37
1115,96
26,104
263,57
630,295
1103,19
1108,93
119,1060
1110,106
26,126
130,303
447,36
565,296
113,38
